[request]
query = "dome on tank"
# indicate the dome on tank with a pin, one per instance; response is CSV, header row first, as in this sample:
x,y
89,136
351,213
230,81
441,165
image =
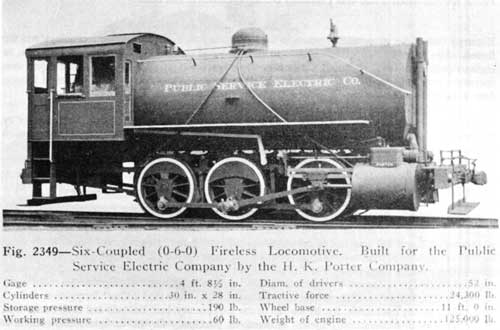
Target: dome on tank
x,y
249,39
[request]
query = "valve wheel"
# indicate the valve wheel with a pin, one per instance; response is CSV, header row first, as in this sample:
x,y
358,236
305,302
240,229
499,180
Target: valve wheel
x,y
232,180
163,181
325,204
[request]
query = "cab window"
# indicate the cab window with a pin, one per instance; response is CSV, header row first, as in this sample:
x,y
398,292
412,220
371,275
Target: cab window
x,y
126,77
102,76
40,76
69,75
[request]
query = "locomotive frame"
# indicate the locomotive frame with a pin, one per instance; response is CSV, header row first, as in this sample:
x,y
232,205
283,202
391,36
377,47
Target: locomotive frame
x,y
83,134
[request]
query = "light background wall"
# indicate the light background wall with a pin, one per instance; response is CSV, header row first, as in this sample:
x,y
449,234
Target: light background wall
x,y
463,103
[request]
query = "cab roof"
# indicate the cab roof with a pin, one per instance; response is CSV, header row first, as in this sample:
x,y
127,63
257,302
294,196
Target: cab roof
x,y
112,39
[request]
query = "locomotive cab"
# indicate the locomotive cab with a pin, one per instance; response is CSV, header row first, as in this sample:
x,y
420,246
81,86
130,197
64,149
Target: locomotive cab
x,y
87,82
80,90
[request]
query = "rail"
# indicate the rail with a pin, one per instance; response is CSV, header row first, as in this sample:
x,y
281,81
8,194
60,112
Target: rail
x,y
19,219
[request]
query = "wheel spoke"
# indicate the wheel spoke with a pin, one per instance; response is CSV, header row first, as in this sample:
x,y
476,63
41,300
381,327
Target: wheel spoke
x,y
300,197
176,176
179,193
151,194
330,206
247,193
217,185
332,194
150,178
250,185
219,195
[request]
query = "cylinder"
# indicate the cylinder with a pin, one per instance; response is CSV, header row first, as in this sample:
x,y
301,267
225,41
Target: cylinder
x,y
386,187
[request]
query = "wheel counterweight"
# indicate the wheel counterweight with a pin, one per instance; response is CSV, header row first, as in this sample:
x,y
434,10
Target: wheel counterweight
x,y
163,181
327,203
231,180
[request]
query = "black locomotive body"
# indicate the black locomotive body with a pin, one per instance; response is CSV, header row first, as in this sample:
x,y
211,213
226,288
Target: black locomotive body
x,y
320,131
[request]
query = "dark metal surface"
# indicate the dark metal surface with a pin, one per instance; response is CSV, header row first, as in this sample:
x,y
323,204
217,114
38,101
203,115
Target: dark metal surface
x,y
84,118
60,199
99,220
386,187
300,86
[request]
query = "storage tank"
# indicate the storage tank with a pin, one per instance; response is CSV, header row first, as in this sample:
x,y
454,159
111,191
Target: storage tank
x,y
361,92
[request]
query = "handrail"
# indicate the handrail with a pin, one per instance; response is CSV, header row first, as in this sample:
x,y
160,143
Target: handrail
x,y
51,124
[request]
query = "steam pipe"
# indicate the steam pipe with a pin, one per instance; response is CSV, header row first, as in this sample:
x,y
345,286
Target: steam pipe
x,y
420,95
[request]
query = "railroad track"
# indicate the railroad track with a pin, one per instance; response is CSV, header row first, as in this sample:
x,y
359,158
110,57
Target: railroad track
x,y
108,220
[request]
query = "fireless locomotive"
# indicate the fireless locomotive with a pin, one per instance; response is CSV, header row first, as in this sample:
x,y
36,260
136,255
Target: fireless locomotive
x,y
324,132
